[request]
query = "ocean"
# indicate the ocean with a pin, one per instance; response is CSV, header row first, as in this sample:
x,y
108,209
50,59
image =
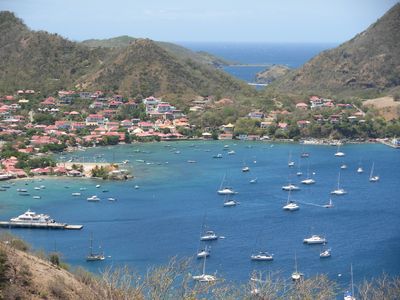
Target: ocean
x,y
175,200
259,55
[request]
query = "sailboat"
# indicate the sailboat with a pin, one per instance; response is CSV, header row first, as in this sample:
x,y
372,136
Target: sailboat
x,y
360,169
230,202
304,154
225,190
245,168
373,178
202,253
290,162
350,295
204,277
299,172
339,191
291,205
94,256
330,204
296,275
308,180
339,153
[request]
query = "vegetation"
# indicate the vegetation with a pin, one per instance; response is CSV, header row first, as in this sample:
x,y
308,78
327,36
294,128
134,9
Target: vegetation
x,y
365,65
48,62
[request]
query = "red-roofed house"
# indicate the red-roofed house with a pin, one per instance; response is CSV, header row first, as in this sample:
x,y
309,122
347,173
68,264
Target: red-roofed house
x,y
302,106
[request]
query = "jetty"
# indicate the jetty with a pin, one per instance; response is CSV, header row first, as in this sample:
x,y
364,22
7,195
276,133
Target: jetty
x,y
9,224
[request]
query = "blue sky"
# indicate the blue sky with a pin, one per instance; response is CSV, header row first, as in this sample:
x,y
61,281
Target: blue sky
x,y
204,20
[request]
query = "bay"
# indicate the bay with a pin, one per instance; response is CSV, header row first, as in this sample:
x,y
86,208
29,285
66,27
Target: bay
x,y
163,218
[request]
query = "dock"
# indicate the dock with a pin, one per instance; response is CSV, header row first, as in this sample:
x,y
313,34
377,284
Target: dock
x,y
7,224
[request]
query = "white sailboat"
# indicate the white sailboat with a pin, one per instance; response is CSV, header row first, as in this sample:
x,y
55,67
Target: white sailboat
x,y
339,153
360,169
330,204
245,167
296,275
225,190
204,277
308,180
372,177
299,172
350,295
290,205
338,191
230,202
290,162
94,256
205,252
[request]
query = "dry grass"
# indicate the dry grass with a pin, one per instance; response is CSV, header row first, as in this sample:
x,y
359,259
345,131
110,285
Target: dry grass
x,y
386,107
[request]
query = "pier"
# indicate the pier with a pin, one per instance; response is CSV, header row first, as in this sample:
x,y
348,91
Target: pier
x,y
7,224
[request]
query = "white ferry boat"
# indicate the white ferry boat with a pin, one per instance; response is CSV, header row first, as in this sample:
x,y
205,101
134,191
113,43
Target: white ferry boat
x,y
32,217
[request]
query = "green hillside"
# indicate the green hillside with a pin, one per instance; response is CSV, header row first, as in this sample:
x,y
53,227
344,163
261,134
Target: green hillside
x,y
366,65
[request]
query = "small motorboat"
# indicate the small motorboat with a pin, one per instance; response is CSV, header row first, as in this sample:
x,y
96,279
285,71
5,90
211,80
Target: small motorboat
x,y
93,198
262,256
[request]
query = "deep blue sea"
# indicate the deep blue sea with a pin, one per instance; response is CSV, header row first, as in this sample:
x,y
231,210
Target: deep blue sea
x,y
262,54
164,216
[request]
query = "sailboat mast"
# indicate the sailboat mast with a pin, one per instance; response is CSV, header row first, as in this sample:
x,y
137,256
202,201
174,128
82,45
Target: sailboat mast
x,y
204,265
372,170
91,244
352,284
338,181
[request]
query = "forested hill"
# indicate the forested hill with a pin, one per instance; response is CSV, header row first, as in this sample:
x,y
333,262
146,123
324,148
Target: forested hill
x,y
47,62
369,62
177,50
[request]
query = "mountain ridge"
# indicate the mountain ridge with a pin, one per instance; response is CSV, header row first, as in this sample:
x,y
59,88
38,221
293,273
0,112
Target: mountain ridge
x,y
369,62
48,62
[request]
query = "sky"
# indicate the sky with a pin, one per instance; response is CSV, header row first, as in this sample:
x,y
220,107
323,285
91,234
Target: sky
x,y
274,21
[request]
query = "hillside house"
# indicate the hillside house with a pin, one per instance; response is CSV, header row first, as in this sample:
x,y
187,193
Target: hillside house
x,y
95,120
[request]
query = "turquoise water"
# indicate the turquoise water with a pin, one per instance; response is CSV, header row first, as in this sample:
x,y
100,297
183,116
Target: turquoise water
x,y
163,218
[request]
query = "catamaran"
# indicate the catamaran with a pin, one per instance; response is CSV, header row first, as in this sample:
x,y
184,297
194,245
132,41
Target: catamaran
x,y
204,277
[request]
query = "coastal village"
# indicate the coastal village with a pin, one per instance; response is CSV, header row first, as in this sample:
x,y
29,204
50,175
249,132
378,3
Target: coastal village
x,y
52,124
